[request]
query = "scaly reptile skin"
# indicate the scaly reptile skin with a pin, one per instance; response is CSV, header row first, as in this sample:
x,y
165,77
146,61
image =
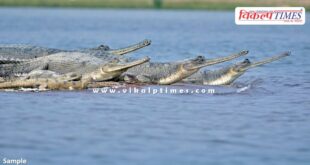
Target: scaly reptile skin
x,y
61,63
169,73
19,51
93,71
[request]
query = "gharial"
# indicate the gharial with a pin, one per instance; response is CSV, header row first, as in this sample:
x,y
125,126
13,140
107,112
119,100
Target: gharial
x,y
64,67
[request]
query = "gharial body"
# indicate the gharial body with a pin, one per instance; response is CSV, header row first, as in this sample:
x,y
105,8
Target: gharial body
x,y
19,51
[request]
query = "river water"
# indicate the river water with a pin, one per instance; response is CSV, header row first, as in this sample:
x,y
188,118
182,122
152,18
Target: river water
x,y
267,122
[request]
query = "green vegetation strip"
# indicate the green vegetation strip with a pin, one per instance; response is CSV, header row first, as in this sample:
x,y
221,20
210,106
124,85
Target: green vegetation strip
x,y
165,4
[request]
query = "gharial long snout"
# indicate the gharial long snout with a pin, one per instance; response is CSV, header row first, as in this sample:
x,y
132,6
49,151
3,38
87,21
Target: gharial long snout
x,y
124,67
131,48
268,60
220,60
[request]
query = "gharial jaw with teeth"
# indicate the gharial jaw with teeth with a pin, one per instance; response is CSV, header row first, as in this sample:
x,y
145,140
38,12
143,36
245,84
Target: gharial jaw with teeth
x,y
228,75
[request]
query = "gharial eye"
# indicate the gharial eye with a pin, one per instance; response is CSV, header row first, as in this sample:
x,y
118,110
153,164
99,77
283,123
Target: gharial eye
x,y
146,42
200,58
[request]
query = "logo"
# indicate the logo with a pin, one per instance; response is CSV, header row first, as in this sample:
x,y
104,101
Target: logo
x,y
270,15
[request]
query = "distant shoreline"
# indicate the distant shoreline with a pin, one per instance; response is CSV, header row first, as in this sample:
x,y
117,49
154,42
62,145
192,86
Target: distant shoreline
x,y
149,4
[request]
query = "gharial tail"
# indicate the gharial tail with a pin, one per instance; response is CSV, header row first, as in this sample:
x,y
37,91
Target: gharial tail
x,y
53,84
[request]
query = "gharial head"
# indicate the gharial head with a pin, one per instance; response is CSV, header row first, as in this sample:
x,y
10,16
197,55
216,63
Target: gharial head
x,y
131,48
115,68
227,75
241,67
200,61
